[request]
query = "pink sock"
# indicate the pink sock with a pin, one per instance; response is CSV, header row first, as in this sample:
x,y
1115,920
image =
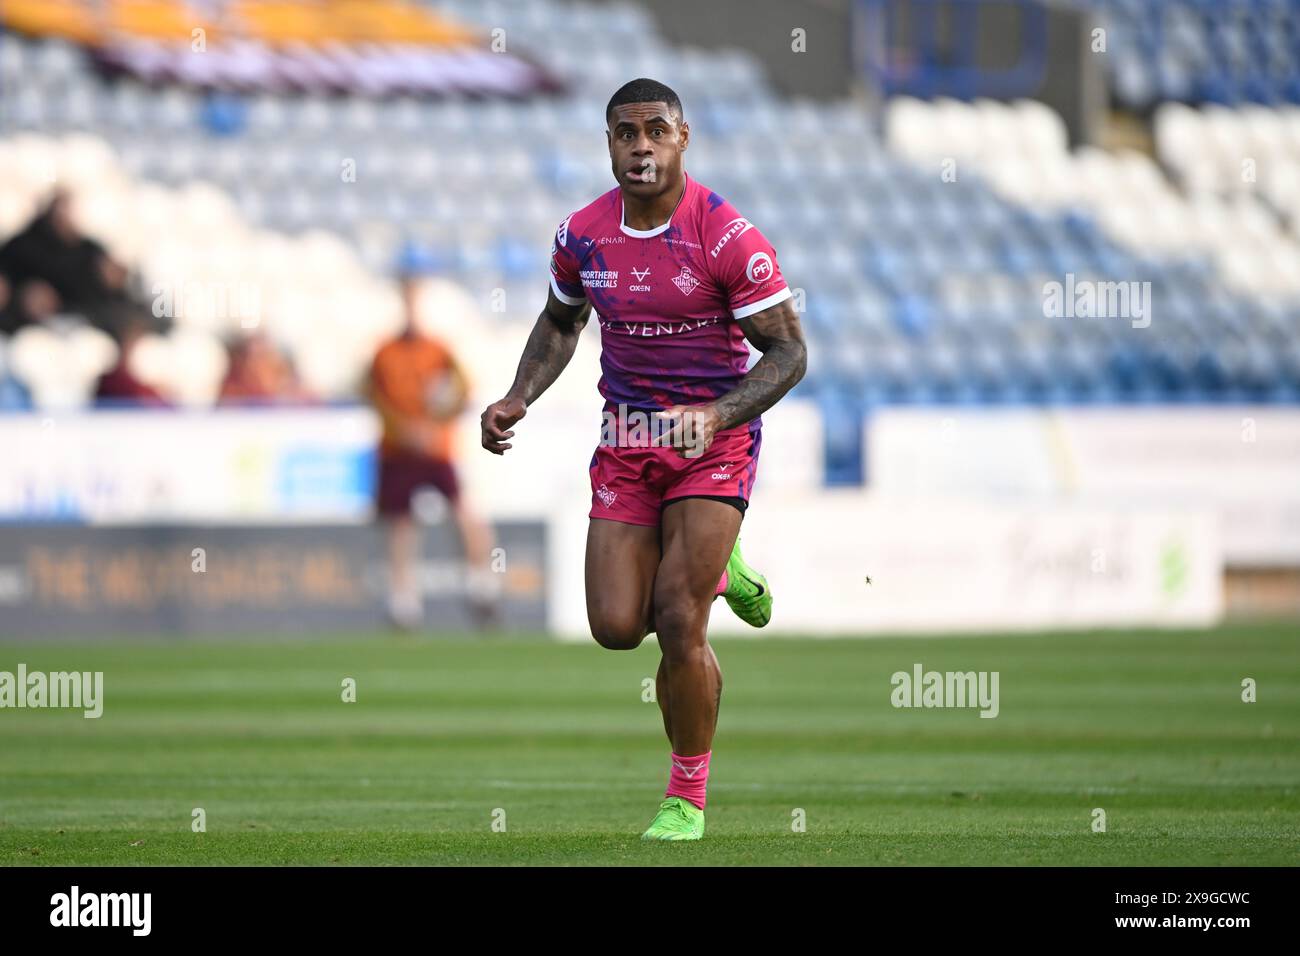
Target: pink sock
x,y
722,586
689,777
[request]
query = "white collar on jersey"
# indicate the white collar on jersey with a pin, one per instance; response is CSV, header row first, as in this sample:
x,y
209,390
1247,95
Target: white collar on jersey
x,y
650,233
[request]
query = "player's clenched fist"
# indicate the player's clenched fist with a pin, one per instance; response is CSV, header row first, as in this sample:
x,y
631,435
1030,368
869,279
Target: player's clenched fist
x,y
692,431
497,418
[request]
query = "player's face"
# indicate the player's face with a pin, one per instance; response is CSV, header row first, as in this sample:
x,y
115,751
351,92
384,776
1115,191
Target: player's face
x,y
646,142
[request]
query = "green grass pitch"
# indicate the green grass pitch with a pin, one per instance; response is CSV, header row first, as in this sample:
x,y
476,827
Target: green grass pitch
x,y
555,741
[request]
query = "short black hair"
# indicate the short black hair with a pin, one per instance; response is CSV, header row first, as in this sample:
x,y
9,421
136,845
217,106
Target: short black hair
x,y
645,90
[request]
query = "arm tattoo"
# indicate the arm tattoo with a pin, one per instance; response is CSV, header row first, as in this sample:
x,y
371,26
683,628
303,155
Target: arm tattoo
x,y
777,333
550,347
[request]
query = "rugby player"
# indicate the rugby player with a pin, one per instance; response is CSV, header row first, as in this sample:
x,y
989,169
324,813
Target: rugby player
x,y
678,281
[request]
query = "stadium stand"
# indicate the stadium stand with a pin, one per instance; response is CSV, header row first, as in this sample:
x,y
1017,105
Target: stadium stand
x,y
1201,51
916,285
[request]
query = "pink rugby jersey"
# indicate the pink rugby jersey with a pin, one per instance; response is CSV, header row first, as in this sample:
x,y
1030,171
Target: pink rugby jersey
x,y
668,298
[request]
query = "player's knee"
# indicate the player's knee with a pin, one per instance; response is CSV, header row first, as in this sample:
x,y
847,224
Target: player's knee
x,y
617,634
681,623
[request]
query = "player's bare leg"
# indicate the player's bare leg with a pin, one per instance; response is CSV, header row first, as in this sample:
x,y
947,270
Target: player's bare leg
x,y
697,539
620,608
620,605
664,697
698,535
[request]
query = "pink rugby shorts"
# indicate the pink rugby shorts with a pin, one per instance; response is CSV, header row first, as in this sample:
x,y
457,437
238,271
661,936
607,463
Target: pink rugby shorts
x,y
632,484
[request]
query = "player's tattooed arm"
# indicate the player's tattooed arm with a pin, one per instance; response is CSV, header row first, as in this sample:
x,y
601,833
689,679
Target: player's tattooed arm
x,y
549,348
776,333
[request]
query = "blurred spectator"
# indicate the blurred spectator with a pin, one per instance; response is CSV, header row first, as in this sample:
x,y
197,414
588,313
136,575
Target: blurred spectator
x,y
29,303
259,373
418,388
13,395
52,268
119,384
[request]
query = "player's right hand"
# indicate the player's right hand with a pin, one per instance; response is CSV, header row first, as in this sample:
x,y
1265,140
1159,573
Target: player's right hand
x,y
498,417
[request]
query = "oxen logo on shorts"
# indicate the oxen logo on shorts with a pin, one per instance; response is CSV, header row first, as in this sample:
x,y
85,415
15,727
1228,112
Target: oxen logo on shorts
x,y
724,474
606,496
685,281
759,268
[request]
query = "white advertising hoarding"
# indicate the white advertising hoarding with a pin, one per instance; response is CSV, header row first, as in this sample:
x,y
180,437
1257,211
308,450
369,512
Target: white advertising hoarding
x,y
948,566
1241,464
224,466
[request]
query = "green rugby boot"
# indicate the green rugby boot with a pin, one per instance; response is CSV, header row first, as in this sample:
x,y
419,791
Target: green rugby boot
x,y
747,594
677,819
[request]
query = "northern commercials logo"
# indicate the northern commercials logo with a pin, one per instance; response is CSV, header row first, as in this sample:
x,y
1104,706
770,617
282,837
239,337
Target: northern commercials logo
x,y
759,268
102,909
77,690
599,278
923,688
738,226
685,281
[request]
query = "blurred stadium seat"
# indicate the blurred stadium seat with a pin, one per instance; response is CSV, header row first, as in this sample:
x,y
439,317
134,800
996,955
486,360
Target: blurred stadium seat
x,y
913,289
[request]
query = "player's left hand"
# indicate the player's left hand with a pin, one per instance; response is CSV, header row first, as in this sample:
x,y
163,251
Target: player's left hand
x,y
693,432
